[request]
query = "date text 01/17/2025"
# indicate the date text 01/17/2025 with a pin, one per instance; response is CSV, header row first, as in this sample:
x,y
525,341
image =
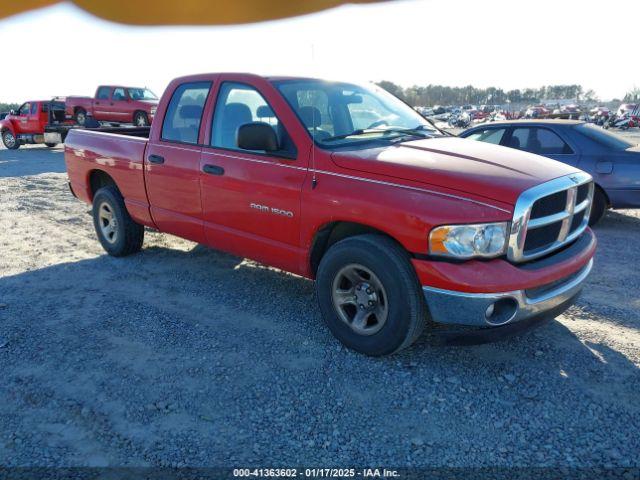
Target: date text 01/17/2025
x,y
316,472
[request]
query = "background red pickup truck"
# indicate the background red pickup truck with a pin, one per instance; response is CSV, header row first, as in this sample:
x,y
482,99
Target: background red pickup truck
x,y
29,122
398,223
114,103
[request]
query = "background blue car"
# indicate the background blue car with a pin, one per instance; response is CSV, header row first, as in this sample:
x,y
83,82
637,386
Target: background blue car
x,y
613,161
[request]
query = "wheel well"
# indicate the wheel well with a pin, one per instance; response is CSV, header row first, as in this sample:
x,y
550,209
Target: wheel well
x,y
99,179
78,109
7,129
332,233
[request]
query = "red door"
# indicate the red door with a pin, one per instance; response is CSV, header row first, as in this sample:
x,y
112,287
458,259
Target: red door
x,y
172,164
21,119
33,119
101,104
251,200
119,106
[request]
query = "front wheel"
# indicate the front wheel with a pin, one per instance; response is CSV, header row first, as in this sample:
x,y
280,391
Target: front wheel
x,y
81,116
598,207
10,141
140,119
369,295
116,230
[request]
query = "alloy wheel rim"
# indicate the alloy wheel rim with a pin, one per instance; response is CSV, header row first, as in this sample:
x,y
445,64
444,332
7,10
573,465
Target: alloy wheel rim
x,y
360,299
81,118
108,223
9,140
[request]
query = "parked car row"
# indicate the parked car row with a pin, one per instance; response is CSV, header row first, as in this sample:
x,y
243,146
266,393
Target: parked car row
x,y
627,115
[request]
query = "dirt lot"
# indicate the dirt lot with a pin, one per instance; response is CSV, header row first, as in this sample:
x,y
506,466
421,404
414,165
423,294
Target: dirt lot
x,y
181,355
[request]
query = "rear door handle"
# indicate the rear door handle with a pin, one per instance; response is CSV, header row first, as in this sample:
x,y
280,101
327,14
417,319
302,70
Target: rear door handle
x,y
157,159
213,169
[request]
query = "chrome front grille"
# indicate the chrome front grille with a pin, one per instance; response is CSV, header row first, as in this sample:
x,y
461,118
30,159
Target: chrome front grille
x,y
549,216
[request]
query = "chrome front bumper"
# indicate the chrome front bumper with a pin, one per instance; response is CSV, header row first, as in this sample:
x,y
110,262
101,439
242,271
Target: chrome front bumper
x,y
495,309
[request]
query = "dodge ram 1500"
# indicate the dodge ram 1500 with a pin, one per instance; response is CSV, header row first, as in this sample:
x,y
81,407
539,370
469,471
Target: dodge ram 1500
x,y
399,223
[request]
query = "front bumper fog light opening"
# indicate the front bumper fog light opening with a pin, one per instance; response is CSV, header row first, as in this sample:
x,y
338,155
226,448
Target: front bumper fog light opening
x,y
501,311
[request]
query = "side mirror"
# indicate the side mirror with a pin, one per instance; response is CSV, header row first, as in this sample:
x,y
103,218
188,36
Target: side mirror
x,y
257,136
12,112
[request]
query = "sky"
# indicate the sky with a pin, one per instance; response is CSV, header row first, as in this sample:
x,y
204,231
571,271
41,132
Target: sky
x,y
62,50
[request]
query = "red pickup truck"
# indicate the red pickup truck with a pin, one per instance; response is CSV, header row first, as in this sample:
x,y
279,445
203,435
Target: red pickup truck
x,y
113,103
398,223
33,122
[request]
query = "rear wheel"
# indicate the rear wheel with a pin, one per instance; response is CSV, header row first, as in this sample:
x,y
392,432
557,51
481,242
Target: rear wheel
x,y
369,295
81,116
140,119
51,145
599,207
10,141
116,230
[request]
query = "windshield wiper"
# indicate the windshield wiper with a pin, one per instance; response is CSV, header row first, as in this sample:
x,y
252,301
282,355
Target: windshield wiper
x,y
415,132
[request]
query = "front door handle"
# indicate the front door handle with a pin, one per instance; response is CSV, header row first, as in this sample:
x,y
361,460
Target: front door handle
x,y
157,159
213,169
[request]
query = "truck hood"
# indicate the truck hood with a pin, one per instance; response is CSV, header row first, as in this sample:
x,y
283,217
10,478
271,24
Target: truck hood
x,y
477,168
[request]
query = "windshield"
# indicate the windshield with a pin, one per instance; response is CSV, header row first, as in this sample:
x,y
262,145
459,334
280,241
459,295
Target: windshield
x,y
336,114
142,94
603,137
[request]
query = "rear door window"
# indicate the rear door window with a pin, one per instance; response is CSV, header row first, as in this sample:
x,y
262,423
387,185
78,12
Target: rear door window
x,y
541,141
488,135
118,94
184,113
34,108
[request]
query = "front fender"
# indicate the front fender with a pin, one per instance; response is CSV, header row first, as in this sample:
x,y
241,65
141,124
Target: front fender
x,y
144,107
7,125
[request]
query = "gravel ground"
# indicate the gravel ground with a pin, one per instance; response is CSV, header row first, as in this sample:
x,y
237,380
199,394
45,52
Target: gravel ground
x,y
182,355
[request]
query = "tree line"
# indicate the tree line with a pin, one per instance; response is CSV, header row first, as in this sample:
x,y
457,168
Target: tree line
x,y
430,95
6,107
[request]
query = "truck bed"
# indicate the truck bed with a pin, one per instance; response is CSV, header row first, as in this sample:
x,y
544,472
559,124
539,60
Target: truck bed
x,y
118,152
64,128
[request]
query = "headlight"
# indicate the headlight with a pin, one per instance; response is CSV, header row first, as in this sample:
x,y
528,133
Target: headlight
x,y
468,241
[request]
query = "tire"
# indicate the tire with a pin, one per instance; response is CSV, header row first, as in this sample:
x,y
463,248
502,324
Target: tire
x,y
51,145
140,119
10,141
599,207
401,295
80,116
125,236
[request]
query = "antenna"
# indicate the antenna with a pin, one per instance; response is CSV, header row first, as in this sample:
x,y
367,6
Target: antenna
x,y
314,178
